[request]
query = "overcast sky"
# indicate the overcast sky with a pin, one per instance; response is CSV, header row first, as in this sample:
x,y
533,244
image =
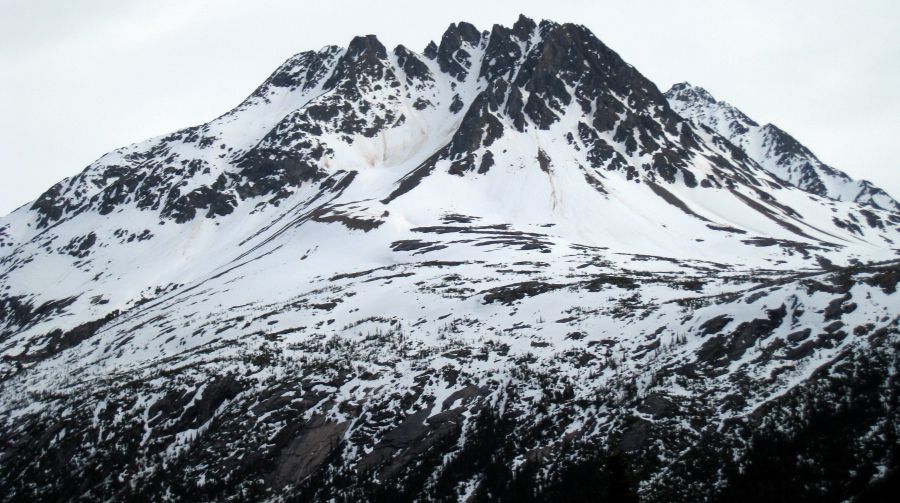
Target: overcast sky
x,y
80,78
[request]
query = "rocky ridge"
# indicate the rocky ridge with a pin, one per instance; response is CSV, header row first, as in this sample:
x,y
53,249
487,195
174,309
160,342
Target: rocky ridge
x,y
774,149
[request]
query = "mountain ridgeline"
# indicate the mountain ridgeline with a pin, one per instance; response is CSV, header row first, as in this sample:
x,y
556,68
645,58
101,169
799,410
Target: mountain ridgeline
x,y
775,150
507,268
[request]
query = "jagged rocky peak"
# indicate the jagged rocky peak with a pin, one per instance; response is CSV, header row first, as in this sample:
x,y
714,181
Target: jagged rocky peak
x,y
539,70
532,75
524,27
774,149
685,91
685,96
506,47
454,54
304,70
366,47
413,67
364,62
529,77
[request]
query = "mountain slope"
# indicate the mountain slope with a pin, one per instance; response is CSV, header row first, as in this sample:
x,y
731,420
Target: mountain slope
x,y
348,284
774,149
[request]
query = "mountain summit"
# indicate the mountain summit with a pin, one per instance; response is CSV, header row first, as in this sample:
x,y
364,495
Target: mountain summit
x,y
505,268
774,149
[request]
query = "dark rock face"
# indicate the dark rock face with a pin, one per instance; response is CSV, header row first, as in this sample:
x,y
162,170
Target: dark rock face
x,y
270,172
411,65
503,51
451,55
479,128
49,205
80,246
789,150
364,61
301,71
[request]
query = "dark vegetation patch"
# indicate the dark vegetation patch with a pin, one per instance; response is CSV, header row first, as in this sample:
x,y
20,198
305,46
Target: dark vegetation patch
x,y
715,325
17,312
722,349
508,294
787,245
58,340
599,282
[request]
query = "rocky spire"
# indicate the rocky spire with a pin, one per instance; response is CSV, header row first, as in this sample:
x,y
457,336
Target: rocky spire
x,y
365,55
451,54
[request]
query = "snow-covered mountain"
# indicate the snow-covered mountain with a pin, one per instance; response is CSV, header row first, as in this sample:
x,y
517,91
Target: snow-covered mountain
x,y
500,269
774,149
